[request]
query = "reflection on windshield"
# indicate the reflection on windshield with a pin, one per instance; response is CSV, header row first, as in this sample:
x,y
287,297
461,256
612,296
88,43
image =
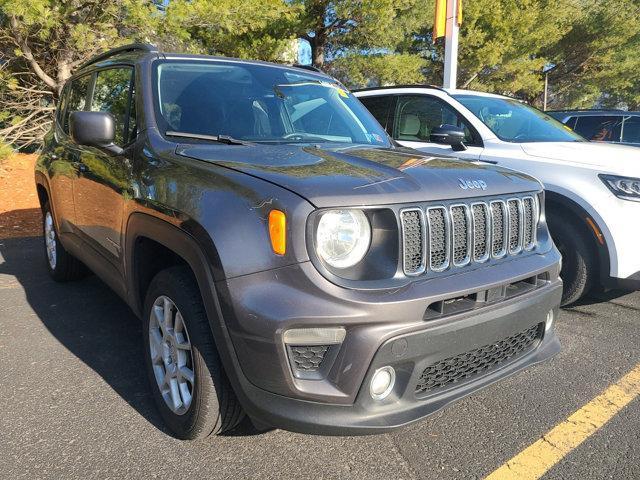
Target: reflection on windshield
x,y
260,103
513,121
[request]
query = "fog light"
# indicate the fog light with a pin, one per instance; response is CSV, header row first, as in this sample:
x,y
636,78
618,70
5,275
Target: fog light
x,y
549,321
382,383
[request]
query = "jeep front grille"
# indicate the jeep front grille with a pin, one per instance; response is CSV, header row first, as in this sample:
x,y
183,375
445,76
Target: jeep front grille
x,y
435,238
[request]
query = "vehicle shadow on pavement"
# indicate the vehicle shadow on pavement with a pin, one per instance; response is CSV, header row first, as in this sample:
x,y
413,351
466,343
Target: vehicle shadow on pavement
x,y
91,321
600,297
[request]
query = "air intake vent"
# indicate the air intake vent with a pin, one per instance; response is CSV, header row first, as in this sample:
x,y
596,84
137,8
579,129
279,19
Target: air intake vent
x,y
461,235
414,241
498,224
530,220
481,226
515,226
308,358
477,362
438,232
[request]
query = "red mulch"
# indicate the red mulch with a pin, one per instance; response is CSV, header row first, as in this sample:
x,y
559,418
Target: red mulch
x,y
19,208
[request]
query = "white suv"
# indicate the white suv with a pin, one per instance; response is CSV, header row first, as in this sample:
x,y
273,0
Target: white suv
x,y
593,189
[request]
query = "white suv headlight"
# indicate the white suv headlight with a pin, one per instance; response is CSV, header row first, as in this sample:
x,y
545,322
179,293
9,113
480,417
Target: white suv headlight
x,y
626,188
343,237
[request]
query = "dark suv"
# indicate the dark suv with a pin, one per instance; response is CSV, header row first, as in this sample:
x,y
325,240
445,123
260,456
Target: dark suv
x,y
286,258
613,126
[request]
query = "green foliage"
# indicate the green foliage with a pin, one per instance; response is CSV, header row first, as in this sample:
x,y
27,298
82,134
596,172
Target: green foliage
x,y
259,29
5,152
333,27
357,70
504,45
597,57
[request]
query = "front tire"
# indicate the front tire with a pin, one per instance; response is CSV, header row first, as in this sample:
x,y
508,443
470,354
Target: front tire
x,y
62,266
579,269
189,385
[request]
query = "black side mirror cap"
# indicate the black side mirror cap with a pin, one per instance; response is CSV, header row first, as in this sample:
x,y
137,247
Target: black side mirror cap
x,y
449,135
94,129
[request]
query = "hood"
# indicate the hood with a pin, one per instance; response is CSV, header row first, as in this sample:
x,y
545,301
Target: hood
x,y
619,159
356,175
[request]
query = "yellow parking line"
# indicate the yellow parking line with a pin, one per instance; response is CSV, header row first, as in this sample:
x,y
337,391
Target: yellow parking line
x,y
537,459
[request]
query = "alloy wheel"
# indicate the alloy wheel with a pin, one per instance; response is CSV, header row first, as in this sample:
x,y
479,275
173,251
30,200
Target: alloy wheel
x,y
50,240
171,355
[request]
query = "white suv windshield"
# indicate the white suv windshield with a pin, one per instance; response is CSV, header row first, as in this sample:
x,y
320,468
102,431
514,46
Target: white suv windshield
x,y
513,121
260,103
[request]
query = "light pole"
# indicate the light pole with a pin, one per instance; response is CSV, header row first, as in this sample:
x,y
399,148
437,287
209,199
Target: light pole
x,y
545,70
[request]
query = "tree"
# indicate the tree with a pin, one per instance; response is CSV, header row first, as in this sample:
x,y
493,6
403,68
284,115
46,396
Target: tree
x,y
356,70
339,26
502,44
258,29
42,42
597,58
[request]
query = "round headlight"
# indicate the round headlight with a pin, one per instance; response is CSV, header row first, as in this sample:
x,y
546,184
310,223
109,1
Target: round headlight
x,y
343,237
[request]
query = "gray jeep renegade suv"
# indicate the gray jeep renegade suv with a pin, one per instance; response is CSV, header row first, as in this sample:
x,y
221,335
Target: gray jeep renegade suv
x,y
288,261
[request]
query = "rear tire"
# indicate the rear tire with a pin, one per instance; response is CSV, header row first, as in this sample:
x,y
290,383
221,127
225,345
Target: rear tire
x,y
205,405
579,269
62,266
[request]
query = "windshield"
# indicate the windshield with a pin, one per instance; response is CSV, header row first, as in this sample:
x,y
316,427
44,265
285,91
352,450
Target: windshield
x,y
513,121
260,103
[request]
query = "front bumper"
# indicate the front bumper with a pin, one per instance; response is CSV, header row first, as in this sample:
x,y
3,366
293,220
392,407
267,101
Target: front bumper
x,y
388,328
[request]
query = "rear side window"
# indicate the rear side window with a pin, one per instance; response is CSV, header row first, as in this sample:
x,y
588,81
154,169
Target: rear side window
x,y
380,108
417,115
77,99
112,93
631,130
600,128
571,122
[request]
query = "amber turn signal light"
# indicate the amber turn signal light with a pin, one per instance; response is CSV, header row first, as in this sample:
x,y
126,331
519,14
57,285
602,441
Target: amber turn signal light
x,y
278,231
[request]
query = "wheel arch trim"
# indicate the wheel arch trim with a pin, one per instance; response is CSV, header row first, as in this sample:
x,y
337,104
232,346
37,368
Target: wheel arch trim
x,y
185,245
604,252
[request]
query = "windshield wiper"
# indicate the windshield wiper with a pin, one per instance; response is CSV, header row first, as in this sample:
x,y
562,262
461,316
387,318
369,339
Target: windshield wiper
x,y
226,139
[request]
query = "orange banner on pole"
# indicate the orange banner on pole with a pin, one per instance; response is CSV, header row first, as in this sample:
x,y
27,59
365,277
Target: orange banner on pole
x,y
440,18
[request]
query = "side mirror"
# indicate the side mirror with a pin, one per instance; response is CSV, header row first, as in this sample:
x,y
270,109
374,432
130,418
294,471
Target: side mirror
x,y
449,135
94,129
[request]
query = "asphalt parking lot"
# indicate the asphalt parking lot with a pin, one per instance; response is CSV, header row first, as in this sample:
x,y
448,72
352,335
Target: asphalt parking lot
x,y
75,403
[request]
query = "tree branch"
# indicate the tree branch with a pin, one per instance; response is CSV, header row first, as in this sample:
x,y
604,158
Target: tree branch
x,y
28,55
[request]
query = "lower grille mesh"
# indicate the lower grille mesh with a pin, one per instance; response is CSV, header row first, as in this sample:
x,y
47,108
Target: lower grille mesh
x,y
308,358
475,362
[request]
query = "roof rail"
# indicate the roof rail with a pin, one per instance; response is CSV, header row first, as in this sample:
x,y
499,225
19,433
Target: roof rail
x,y
307,67
388,87
142,47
